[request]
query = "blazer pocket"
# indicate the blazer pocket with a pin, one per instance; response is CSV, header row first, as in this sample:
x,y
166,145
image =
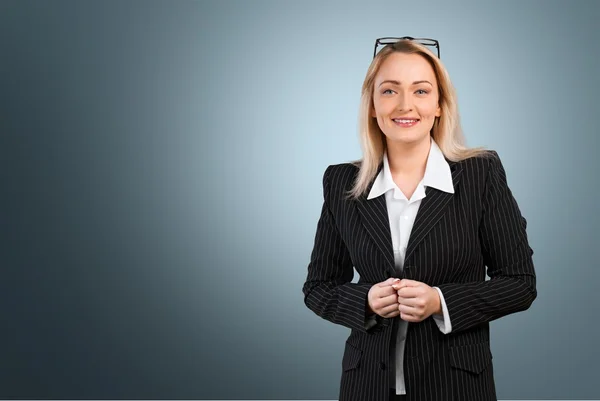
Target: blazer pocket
x,y
352,357
473,358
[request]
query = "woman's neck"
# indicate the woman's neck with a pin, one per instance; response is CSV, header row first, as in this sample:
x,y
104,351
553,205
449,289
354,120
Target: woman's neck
x,y
408,160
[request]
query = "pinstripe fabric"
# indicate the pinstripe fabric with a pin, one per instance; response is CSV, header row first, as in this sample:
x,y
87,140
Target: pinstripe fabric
x,y
453,238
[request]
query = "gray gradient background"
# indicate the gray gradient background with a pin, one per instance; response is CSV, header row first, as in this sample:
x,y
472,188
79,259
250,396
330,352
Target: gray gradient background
x,y
161,185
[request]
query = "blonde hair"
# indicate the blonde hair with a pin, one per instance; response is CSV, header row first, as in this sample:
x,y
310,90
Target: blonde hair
x,y
446,130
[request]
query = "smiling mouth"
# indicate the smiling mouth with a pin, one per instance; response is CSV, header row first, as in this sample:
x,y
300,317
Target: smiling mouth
x,y
403,122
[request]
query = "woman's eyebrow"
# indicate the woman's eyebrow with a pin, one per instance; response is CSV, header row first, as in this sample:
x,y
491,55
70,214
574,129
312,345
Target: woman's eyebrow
x,y
391,81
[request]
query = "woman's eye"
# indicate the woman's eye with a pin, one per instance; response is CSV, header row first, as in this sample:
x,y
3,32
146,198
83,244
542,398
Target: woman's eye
x,y
387,90
421,91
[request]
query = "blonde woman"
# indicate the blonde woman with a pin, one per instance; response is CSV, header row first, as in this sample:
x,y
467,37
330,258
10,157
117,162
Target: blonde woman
x,y
420,217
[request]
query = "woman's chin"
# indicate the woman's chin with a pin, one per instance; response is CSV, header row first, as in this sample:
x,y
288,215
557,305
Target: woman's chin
x,y
407,139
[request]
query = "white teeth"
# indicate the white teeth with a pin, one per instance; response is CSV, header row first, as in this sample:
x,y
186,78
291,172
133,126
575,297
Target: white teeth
x,y
405,121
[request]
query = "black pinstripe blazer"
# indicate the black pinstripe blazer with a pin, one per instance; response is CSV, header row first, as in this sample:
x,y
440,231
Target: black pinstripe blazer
x,y
453,239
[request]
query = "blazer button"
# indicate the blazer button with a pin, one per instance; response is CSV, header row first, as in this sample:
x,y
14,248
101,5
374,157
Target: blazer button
x,y
382,365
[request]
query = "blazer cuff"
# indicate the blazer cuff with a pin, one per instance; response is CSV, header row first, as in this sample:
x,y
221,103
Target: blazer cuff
x,y
371,321
443,322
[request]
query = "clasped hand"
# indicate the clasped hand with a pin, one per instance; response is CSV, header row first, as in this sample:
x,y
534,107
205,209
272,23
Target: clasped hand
x,y
413,301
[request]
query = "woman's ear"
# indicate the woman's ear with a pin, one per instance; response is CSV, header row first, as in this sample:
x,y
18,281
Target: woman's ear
x,y
438,111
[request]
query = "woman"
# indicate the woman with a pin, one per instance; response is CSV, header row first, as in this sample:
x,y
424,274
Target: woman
x,y
419,218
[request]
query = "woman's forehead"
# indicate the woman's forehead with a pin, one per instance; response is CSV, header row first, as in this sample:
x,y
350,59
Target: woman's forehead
x,y
405,67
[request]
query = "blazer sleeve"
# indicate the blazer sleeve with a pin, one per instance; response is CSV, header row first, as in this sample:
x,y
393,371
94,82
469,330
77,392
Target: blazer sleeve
x,y
506,253
328,290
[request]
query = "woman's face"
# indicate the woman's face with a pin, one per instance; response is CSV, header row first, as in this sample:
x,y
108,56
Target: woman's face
x,y
405,98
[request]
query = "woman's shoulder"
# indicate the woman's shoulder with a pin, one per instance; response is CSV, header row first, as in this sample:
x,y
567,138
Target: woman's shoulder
x,y
483,161
482,171
341,172
338,180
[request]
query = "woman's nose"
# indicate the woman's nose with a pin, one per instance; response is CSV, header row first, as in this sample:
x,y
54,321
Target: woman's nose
x,y
404,103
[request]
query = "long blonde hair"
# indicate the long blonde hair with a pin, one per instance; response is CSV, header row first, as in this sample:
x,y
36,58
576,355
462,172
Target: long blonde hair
x,y
446,130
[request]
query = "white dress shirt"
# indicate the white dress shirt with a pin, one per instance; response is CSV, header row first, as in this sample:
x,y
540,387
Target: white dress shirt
x,y
402,213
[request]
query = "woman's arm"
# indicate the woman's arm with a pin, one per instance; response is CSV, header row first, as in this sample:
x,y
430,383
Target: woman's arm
x,y
506,251
328,290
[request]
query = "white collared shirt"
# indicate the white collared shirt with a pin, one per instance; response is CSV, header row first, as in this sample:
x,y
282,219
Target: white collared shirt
x,y
402,213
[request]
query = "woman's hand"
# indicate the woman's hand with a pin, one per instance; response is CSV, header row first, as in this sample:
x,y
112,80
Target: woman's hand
x,y
383,298
416,301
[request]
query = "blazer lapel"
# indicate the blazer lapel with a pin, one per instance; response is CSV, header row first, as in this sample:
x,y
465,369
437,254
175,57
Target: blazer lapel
x,y
432,209
376,222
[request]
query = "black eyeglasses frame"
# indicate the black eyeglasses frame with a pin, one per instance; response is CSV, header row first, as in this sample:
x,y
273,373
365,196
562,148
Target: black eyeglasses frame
x,y
424,41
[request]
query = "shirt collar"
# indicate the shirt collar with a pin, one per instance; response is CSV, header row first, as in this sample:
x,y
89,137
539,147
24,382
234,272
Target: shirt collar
x,y
437,174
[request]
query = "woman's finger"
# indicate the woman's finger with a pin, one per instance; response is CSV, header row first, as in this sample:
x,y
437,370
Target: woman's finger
x,y
409,310
394,313
385,291
386,302
418,302
408,301
409,318
388,309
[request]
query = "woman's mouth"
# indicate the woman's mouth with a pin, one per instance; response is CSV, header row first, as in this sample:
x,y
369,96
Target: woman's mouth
x,y
405,122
